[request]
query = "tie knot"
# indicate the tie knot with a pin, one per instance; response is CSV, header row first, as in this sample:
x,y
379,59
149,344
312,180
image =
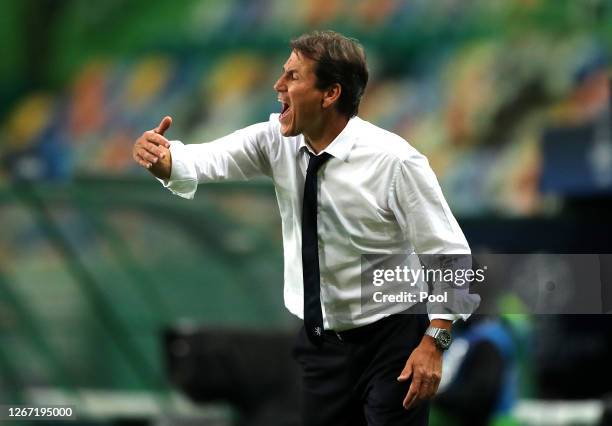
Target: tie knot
x,y
317,161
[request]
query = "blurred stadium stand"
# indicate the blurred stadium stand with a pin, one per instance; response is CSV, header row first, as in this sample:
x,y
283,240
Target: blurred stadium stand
x,y
509,100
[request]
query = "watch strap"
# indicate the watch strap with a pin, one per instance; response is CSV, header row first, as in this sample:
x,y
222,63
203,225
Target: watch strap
x,y
433,331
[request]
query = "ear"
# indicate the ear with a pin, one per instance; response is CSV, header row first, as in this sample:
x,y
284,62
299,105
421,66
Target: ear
x,y
331,95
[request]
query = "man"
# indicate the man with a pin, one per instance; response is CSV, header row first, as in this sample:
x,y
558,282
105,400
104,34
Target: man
x,y
345,188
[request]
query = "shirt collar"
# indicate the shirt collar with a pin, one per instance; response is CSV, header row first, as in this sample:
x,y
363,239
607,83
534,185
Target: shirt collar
x,y
341,146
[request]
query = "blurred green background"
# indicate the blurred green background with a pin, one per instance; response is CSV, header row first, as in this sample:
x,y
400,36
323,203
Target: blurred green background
x,y
96,259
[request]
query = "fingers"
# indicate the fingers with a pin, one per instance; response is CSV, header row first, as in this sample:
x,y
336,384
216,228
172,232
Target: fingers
x,y
406,372
434,383
142,162
428,388
143,158
414,386
424,386
153,149
156,138
414,392
147,156
163,125
147,153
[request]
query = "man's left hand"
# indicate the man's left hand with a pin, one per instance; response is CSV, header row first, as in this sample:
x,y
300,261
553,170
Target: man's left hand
x,y
425,367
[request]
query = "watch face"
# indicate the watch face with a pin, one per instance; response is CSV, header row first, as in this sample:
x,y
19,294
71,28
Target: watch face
x,y
443,340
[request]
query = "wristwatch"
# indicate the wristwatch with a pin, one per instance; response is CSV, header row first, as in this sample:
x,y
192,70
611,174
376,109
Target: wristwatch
x,y
442,337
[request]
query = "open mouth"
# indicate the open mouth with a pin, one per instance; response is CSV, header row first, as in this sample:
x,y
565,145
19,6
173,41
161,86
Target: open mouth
x,y
284,110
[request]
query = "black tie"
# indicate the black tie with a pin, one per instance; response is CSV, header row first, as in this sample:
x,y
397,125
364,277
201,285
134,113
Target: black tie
x,y
313,317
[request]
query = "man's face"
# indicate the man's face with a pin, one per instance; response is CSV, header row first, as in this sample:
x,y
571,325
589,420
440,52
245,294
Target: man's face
x,y
301,100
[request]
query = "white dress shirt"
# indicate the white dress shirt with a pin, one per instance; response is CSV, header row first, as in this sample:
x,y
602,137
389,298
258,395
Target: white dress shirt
x,y
376,195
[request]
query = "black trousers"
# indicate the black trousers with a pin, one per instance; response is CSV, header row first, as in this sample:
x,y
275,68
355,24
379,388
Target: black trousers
x,y
351,378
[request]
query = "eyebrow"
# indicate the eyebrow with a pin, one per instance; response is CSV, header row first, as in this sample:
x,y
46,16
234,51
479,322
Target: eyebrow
x,y
288,71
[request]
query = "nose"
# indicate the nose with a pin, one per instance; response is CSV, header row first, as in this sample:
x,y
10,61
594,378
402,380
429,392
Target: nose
x,y
279,86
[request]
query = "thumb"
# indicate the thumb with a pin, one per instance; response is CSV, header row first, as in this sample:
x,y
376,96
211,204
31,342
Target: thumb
x,y
163,125
406,372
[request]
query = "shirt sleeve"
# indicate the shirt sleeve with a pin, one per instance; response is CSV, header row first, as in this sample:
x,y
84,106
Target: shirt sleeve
x,y
416,200
241,155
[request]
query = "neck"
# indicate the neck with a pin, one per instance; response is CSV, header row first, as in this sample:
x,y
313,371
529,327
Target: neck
x,y
329,128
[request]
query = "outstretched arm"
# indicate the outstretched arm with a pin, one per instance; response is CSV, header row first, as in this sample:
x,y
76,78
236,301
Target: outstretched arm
x,y
241,155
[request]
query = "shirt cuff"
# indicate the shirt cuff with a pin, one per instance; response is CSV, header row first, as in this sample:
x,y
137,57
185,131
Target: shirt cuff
x,y
449,317
183,177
